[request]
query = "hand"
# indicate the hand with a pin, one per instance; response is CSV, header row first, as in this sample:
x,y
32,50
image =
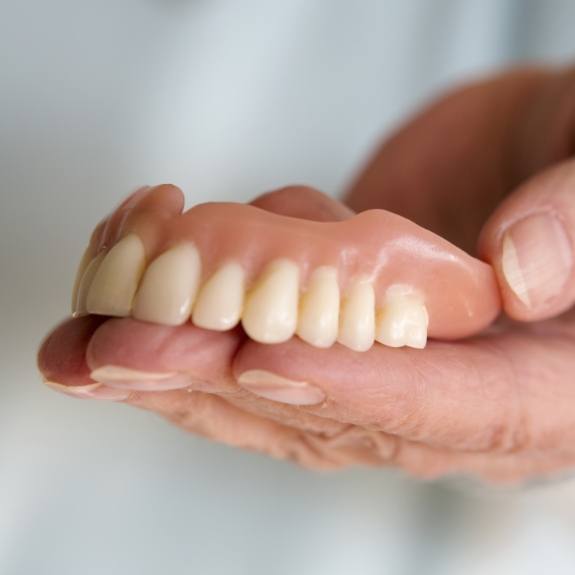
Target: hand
x,y
487,165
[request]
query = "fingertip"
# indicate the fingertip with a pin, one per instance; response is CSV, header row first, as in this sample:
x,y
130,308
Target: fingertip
x,y
62,355
530,243
536,263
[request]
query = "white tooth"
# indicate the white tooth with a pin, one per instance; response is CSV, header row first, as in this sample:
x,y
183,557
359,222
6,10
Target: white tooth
x,y
84,263
319,308
80,307
357,320
416,335
270,313
403,319
117,277
169,286
221,298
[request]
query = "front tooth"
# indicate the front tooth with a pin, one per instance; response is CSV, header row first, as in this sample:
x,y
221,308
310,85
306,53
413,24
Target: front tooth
x,y
169,286
84,263
220,301
80,307
117,277
416,335
319,309
270,313
357,320
403,321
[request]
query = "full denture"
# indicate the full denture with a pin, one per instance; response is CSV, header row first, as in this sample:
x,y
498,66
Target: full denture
x,y
373,277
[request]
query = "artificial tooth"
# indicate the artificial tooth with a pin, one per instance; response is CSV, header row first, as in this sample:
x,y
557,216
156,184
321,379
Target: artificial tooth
x,y
117,277
357,319
403,320
169,286
416,335
319,309
270,312
221,298
80,307
84,263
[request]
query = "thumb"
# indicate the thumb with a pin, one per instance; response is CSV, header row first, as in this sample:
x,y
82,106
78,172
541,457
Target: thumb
x,y
530,241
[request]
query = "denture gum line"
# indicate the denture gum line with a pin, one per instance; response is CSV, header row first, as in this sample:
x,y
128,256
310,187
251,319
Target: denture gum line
x,y
374,276
171,290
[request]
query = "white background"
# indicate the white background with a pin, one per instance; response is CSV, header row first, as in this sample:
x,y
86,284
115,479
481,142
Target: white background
x,y
226,99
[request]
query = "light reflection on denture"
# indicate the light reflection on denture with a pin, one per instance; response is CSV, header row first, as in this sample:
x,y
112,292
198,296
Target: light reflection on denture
x,y
355,282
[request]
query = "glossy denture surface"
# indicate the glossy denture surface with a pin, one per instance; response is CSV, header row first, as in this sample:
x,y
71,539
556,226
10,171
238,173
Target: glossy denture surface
x,y
373,276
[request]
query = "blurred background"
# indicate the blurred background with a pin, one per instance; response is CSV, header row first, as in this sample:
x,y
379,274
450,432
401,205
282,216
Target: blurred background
x,y
226,99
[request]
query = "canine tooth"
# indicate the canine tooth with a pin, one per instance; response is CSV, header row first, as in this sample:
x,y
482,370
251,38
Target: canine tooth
x,y
403,320
319,309
169,286
84,285
117,277
270,312
221,298
357,320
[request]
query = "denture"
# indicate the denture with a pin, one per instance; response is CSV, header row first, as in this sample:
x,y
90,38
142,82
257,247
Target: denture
x,y
375,277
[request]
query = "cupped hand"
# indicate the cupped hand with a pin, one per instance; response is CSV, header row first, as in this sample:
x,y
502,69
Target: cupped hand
x,y
490,168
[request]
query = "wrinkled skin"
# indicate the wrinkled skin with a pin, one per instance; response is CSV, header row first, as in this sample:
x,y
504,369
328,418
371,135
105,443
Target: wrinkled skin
x,y
500,406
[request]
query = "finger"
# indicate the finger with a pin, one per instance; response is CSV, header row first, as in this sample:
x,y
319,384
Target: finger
x,y
402,392
483,394
62,361
450,167
213,417
126,354
530,241
131,354
303,202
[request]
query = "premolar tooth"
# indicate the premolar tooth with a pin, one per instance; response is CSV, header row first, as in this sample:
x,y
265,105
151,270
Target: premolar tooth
x,y
403,320
221,298
357,320
117,277
319,309
270,313
80,307
169,286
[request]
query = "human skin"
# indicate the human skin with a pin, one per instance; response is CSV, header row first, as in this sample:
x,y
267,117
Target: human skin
x,y
500,405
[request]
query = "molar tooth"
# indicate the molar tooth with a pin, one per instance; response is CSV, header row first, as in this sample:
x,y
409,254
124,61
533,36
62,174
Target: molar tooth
x,y
80,307
357,320
116,279
270,313
220,301
169,286
319,309
403,320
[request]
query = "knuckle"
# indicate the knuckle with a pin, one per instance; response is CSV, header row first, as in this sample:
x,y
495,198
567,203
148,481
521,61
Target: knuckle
x,y
508,437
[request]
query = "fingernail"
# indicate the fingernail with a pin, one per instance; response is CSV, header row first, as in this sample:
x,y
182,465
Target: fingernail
x,y
117,373
133,379
277,388
536,259
90,391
